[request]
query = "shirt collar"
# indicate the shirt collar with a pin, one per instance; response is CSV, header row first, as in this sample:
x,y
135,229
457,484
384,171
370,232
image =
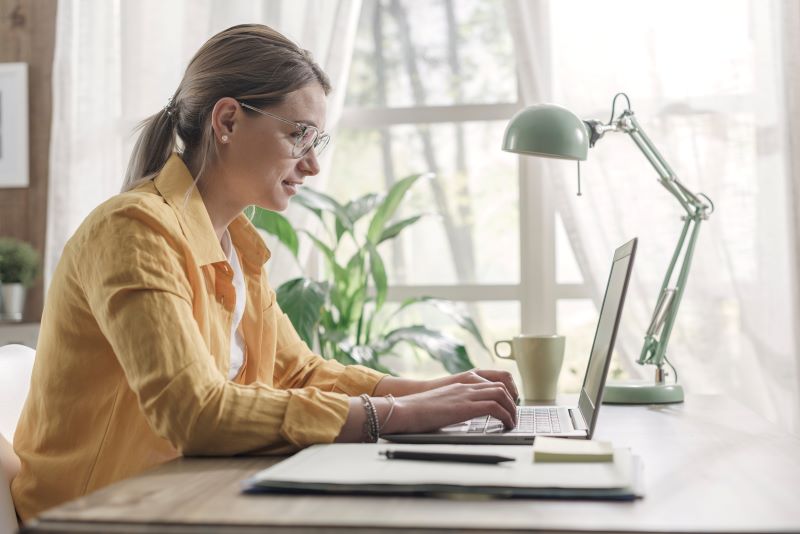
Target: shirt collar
x,y
174,182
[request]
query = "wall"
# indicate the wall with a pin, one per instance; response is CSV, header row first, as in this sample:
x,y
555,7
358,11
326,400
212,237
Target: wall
x,y
27,34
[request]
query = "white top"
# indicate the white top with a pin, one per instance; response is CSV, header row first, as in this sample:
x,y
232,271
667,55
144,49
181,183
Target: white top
x,y
237,341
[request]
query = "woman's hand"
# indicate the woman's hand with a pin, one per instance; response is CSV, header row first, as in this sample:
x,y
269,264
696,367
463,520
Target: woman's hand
x,y
477,376
403,386
427,405
453,403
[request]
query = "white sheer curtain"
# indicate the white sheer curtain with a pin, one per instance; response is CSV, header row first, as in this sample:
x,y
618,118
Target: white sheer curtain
x,y
117,61
791,63
716,109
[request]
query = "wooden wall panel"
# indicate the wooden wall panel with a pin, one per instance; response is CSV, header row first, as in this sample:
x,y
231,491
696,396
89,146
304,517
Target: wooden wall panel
x,y
27,34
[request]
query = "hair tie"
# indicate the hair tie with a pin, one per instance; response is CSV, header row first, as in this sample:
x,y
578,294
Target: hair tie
x,y
170,107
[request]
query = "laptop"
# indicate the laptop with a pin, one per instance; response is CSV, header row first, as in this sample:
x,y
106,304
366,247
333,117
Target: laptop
x,y
557,421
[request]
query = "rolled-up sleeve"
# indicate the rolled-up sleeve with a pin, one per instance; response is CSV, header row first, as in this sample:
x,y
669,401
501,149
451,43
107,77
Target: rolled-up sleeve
x,y
142,298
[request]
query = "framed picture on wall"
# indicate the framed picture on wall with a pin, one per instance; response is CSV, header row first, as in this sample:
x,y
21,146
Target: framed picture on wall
x,y
13,125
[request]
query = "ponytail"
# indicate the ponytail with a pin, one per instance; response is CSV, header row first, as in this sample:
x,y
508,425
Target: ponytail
x,y
153,148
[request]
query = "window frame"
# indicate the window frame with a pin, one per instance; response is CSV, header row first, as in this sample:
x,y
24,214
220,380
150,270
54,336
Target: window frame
x,y
538,290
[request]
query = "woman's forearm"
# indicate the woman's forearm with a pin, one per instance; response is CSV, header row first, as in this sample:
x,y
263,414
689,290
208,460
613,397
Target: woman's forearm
x,y
406,386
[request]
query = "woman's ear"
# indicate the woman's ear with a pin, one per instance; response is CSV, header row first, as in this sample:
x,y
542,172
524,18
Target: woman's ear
x,y
223,119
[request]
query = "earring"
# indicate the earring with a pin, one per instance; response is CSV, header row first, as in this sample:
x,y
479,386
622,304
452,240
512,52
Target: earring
x,y
224,138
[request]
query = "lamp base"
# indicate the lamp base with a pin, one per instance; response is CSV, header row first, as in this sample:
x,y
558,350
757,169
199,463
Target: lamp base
x,y
642,393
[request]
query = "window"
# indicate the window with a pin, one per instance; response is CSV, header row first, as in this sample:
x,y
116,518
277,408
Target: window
x,y
431,88
434,83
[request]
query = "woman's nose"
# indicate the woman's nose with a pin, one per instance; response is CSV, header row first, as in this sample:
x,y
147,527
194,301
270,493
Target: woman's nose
x,y
309,163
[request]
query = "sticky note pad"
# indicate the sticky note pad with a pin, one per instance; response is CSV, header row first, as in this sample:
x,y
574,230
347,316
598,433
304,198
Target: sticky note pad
x,y
547,449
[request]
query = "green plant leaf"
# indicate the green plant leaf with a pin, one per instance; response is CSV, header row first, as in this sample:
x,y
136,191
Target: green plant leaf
x,y
355,272
320,202
302,300
389,205
354,307
449,352
361,206
450,309
397,227
330,255
276,224
357,208
378,271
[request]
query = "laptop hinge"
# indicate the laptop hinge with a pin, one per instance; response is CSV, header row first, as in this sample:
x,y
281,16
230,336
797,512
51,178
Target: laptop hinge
x,y
577,419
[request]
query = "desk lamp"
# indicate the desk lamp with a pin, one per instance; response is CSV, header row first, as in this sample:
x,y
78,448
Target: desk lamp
x,y
552,131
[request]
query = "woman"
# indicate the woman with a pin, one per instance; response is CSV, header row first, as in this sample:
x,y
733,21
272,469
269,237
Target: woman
x,y
161,335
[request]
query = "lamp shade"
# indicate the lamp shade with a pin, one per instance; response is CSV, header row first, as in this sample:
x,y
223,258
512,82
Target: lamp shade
x,y
547,130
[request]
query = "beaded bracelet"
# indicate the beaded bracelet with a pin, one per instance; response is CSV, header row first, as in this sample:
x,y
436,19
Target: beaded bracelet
x,y
371,423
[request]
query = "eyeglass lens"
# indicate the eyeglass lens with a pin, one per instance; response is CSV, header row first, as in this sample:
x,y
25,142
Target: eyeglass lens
x,y
307,139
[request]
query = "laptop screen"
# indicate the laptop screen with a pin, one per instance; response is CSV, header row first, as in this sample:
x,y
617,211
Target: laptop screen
x,y
606,333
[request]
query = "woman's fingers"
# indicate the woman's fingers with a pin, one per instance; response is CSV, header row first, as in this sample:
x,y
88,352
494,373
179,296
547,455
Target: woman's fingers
x,y
498,393
472,377
485,385
495,375
498,411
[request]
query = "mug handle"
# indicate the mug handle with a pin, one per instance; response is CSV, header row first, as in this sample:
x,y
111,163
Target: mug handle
x,y
510,350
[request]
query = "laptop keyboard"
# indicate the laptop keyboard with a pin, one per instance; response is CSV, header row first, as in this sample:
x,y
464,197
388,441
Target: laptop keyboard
x,y
530,420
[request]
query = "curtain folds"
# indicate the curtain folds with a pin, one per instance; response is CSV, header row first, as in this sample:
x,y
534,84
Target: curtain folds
x,y
718,112
790,40
116,62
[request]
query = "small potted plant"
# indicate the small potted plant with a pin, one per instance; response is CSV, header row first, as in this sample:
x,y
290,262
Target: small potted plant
x,y
19,265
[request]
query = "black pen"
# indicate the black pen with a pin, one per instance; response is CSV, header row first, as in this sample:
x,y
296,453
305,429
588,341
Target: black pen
x,y
445,457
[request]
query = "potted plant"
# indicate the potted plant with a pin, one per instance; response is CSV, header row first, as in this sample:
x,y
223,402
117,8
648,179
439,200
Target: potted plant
x,y
342,315
19,265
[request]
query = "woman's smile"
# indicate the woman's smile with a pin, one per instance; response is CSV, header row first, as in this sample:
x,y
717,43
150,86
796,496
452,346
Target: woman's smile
x,y
291,185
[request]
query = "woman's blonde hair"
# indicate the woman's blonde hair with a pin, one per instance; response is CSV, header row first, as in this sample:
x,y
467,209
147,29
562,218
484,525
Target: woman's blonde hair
x,y
249,62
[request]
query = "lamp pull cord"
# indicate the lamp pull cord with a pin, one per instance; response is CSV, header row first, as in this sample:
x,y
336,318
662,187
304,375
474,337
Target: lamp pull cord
x,y
579,178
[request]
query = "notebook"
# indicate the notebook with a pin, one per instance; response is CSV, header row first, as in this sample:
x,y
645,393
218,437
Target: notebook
x,y
358,468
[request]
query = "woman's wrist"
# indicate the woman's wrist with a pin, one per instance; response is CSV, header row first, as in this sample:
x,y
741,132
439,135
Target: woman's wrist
x,y
391,414
391,418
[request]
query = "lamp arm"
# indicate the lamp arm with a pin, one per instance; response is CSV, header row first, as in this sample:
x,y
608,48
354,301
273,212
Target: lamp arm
x,y
627,123
669,299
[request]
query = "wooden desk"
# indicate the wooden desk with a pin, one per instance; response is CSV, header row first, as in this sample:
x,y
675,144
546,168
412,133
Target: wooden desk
x,y
711,465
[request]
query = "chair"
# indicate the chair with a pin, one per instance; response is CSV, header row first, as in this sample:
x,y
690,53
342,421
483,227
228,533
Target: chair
x,y
16,365
9,466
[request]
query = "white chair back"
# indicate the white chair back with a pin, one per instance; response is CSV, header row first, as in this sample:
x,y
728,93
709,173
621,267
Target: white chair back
x,y
9,464
16,365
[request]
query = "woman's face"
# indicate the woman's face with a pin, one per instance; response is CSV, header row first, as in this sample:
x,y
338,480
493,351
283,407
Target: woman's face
x,y
257,161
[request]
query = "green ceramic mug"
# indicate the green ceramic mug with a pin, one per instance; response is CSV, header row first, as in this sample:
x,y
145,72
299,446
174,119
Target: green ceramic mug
x,y
539,359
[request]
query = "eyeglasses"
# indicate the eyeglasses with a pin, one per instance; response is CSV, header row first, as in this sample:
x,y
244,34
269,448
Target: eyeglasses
x,y
306,137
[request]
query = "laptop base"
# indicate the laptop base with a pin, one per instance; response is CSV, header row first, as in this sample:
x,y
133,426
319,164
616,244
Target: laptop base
x,y
480,439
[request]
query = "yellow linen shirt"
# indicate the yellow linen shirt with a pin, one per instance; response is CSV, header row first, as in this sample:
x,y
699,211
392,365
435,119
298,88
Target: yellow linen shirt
x,y
133,355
